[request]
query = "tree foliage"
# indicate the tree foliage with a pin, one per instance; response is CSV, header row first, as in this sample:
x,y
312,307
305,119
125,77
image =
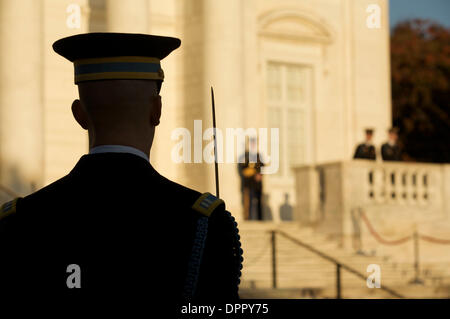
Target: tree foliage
x,y
420,65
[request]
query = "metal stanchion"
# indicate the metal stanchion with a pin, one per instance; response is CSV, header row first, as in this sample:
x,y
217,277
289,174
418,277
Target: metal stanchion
x,y
416,279
274,262
338,282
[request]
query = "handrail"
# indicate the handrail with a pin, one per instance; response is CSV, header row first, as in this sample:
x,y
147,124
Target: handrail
x,y
338,264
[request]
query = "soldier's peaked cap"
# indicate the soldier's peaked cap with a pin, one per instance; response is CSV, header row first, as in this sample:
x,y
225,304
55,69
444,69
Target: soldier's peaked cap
x,y
101,56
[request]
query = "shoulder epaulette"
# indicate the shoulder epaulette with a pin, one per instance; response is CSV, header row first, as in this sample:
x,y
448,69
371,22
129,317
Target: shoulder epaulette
x,y
8,208
206,204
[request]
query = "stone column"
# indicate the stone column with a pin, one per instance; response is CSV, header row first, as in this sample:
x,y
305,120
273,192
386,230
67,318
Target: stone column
x,y
223,69
127,16
307,193
21,91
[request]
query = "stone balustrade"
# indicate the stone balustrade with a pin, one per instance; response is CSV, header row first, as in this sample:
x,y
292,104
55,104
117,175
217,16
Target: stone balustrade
x,y
389,192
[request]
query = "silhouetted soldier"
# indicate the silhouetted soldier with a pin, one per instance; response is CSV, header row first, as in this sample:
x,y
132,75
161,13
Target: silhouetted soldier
x,y
366,150
249,169
390,151
114,216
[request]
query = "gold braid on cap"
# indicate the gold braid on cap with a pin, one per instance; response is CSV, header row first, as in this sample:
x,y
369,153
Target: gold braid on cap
x,y
118,68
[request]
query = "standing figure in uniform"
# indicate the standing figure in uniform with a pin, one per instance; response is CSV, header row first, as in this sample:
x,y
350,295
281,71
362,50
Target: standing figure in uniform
x,y
249,169
114,224
390,151
366,150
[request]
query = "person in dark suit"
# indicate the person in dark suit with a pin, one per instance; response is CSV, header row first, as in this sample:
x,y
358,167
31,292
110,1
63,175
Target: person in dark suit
x,y
390,151
113,224
366,150
249,169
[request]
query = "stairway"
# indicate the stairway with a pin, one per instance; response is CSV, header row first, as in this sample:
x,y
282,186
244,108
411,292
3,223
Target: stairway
x,y
303,274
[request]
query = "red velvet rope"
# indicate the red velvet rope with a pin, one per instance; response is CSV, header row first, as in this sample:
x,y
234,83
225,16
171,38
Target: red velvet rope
x,y
435,240
379,238
402,240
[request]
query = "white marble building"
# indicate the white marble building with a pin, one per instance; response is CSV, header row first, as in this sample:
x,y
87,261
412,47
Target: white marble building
x,y
314,69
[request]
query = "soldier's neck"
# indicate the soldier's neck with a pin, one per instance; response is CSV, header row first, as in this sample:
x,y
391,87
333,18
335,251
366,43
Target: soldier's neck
x,y
140,145
139,139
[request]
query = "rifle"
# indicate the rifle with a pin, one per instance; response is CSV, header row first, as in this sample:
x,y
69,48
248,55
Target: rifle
x,y
216,165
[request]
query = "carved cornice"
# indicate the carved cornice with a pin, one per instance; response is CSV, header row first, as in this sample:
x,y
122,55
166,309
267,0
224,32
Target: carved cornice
x,y
311,28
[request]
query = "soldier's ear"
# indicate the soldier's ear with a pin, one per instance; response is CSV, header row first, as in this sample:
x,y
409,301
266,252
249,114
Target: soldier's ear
x,y
79,114
155,113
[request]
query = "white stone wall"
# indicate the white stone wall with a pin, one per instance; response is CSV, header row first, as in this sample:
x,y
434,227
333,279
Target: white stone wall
x,y
226,44
64,140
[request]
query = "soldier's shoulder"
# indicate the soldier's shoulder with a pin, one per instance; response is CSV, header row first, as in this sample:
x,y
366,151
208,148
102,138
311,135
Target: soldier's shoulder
x,y
207,204
8,209
51,193
42,200
20,204
202,203
178,193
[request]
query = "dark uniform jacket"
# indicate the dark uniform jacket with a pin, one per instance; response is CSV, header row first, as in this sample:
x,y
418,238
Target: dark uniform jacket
x,y
390,152
130,230
365,151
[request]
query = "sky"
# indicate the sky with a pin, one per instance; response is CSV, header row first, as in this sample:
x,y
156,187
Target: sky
x,y
438,10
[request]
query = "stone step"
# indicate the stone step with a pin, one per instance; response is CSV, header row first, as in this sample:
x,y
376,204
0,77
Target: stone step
x,y
306,292
297,267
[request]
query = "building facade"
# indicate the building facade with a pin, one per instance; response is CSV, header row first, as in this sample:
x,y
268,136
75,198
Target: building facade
x,y
316,70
